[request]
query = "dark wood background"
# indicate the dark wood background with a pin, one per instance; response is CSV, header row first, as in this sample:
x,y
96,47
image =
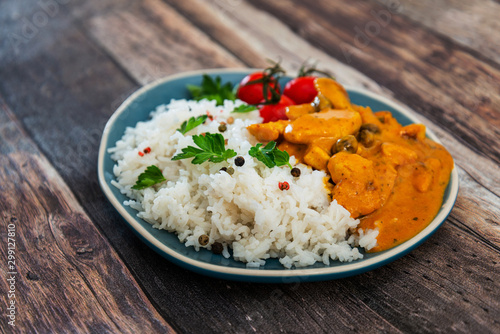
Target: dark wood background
x,y
66,65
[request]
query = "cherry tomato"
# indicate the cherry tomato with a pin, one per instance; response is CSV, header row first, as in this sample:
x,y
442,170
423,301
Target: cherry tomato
x,y
275,112
253,93
301,90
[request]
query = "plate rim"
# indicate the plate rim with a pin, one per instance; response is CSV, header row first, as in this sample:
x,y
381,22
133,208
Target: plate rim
x,y
268,275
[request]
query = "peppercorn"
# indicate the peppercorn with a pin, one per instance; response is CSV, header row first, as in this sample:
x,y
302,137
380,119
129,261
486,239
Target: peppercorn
x,y
217,248
230,170
239,161
284,185
223,169
222,127
203,240
295,172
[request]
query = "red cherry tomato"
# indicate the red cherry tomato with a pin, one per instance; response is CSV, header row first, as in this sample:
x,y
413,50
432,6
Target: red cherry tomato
x,y
253,93
275,112
301,90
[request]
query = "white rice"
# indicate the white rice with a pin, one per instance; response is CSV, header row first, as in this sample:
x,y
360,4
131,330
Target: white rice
x,y
246,211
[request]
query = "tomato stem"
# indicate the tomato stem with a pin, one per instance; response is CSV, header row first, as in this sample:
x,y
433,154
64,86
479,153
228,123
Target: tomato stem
x,y
270,76
308,70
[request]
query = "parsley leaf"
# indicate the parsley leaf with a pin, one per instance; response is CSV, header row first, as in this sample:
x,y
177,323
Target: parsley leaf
x,y
211,148
212,89
152,175
244,108
281,158
269,155
264,154
192,123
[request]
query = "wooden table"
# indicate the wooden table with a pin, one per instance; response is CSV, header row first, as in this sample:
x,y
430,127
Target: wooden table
x,y
65,66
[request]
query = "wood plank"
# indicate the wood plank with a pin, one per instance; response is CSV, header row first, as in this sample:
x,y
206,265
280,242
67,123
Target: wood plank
x,y
150,40
84,10
27,27
48,84
268,37
435,77
59,254
438,294
206,18
469,23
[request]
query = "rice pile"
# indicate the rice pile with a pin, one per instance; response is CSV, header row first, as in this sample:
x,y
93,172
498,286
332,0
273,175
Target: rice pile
x,y
246,211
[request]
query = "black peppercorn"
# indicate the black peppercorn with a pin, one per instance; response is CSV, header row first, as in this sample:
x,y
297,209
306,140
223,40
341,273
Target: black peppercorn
x,y
239,161
295,172
217,248
223,169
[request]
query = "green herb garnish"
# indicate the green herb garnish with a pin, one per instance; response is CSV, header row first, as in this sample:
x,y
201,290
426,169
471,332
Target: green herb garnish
x,y
192,123
281,158
269,155
244,108
152,175
212,89
211,148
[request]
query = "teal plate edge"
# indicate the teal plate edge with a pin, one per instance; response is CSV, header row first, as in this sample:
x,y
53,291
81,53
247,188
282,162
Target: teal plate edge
x,y
137,108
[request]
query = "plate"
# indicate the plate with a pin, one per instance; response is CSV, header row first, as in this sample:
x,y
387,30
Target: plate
x,y
138,107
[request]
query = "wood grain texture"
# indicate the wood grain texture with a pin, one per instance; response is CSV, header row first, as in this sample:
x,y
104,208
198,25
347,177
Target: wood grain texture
x,y
473,24
205,16
84,10
60,255
150,40
64,91
267,37
428,73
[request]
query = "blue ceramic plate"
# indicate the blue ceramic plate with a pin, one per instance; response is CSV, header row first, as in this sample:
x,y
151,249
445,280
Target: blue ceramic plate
x,y
138,107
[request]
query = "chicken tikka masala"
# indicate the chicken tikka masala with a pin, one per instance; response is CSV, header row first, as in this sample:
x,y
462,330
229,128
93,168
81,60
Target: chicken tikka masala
x,y
388,175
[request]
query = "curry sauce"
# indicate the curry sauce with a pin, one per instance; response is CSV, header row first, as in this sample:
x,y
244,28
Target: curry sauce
x,y
389,176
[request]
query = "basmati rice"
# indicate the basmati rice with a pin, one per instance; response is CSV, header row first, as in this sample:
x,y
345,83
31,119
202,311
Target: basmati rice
x,y
245,211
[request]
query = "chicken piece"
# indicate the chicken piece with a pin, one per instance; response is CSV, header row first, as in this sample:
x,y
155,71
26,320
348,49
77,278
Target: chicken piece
x,y
295,111
328,123
265,132
398,154
388,121
297,150
316,157
356,185
423,174
334,92
325,143
367,115
386,175
413,131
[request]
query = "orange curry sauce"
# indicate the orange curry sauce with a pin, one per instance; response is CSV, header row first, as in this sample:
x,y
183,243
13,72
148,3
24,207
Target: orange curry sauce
x,y
390,176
